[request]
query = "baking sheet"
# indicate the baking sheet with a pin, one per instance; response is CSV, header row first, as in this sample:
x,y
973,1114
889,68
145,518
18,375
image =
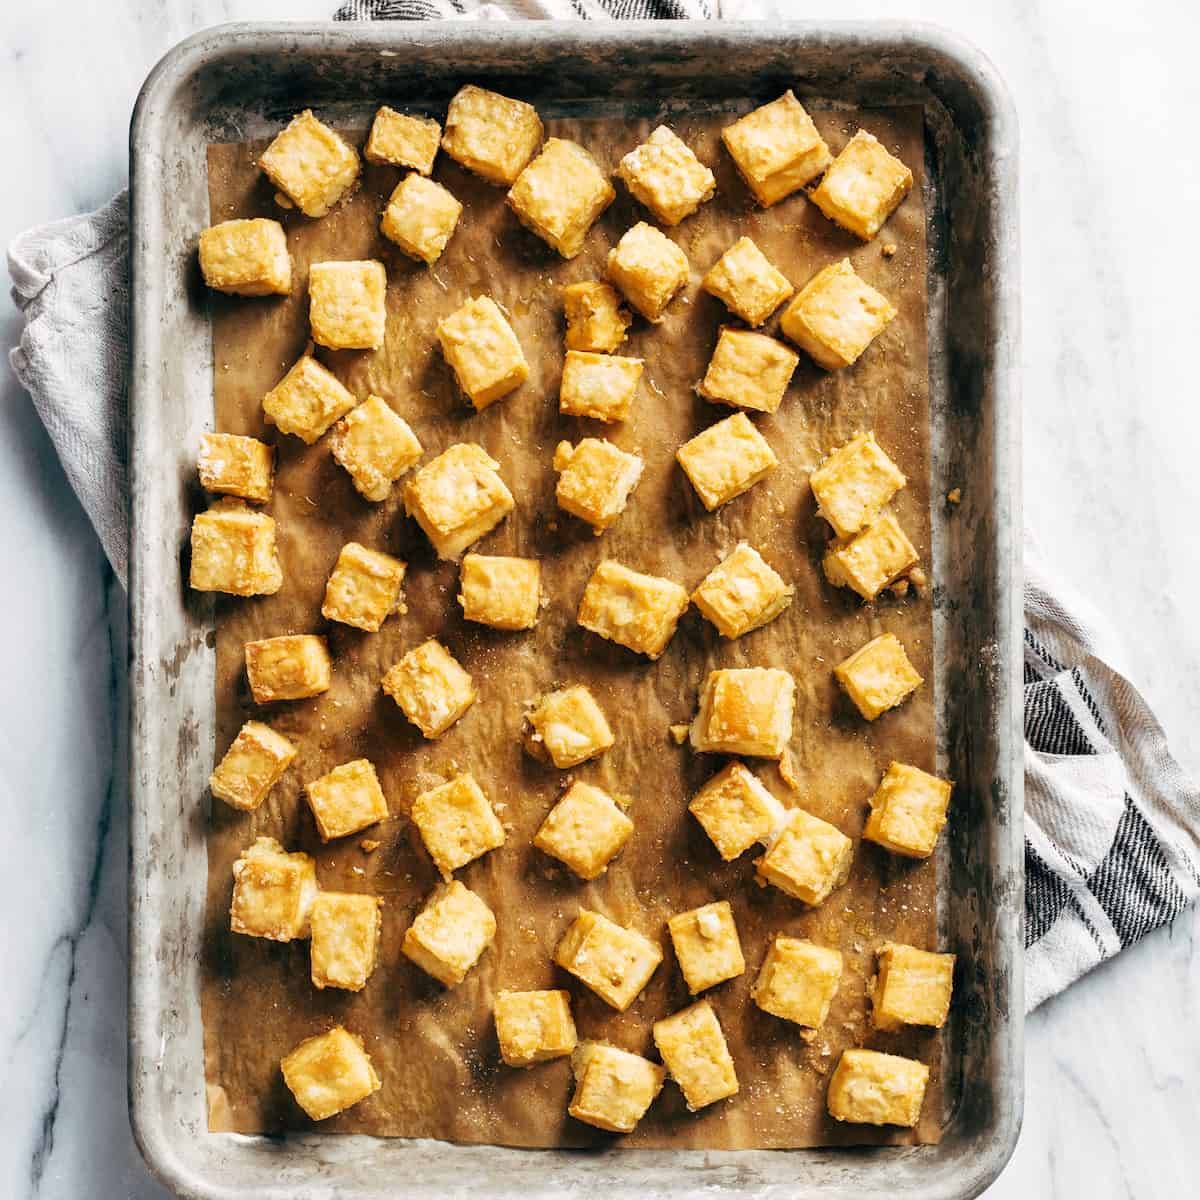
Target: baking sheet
x,y
436,1050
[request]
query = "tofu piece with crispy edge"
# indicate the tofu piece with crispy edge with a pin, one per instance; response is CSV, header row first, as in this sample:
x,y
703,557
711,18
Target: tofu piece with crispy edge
x,y
481,349
742,592
294,666
596,319
611,960
863,186
736,810
251,767
648,269
450,934
503,592
871,559
664,174
776,149
345,939
567,727
310,164
233,550
457,823
853,483
347,307
346,800
836,316
364,588
560,195
808,860
601,386
490,134
745,710
637,611
725,460
870,1088
878,676
706,944
376,446
232,465
329,1073
400,140
457,498
748,370
747,283
421,217
534,1027
613,1087
273,892
307,400
693,1048
586,830
798,980
912,987
908,811
431,688
595,479
246,258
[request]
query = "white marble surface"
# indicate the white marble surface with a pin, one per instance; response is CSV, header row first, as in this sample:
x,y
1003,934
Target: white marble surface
x,y
1108,95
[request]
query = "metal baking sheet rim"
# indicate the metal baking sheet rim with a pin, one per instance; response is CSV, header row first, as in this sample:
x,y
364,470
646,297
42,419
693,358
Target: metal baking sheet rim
x,y
975,394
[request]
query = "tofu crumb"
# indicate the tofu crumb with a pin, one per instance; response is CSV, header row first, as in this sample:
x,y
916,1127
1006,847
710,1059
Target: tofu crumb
x,y
368,845
889,249
679,734
787,771
954,496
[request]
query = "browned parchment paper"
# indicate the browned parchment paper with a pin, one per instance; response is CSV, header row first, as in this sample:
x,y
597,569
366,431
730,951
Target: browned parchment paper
x,y
435,1049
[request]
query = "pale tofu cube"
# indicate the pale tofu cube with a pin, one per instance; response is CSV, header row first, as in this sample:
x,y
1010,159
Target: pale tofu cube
x,y
748,370
376,446
481,349
878,676
307,400
560,195
291,667
273,892
457,823
457,498
871,559
808,859
798,981
346,800
534,1027
596,319
870,1088
648,269
490,134
615,962
329,1073
595,479
246,258
345,939
347,306
665,175
601,386
364,589
252,766
637,611
430,687
694,1051
706,945
836,316
776,149
567,727
310,164
742,592
745,710
400,140
233,550
725,460
237,466
450,934
853,484
737,811
613,1088
421,217
503,592
747,283
586,830
908,811
863,186
912,987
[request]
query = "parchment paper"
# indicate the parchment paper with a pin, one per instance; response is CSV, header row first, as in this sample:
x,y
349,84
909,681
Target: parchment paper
x,y
435,1049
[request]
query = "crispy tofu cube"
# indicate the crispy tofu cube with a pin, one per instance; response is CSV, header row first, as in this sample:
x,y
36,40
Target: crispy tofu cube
x,y
364,589
836,316
615,962
692,1045
568,727
853,484
878,676
347,304
490,134
871,559
595,479
252,766
291,667
776,149
742,592
375,445
863,186
345,939
908,811
505,593
746,282
586,830
725,460
421,217
233,550
706,945
458,497
329,1073
870,1088
601,386
307,400
346,800
273,892
745,710
798,981
534,1027
808,859
457,823
237,466
736,811
246,258
310,164
613,1088
666,176
637,611
483,352
648,269
748,370
450,934
912,987
596,320
430,687
560,195
399,140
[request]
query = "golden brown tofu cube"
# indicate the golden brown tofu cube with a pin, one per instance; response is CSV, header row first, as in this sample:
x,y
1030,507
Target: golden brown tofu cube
x,y
291,667
637,611
534,1027
490,134
595,479
725,460
273,892
648,269
310,164
345,939
613,1088
364,589
742,592
878,676
912,987
237,466
421,217
871,559
736,811
458,497
747,283
347,799
601,386
776,149
836,316
748,370
560,195
252,766
307,400
870,1088
665,175
798,981
908,811
483,352
233,550
586,830
745,710
615,962
457,823
450,934
863,186
400,140
246,258
853,484
706,945
376,446
346,304
329,1073
808,859
430,687
596,320
503,592
568,727
693,1048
